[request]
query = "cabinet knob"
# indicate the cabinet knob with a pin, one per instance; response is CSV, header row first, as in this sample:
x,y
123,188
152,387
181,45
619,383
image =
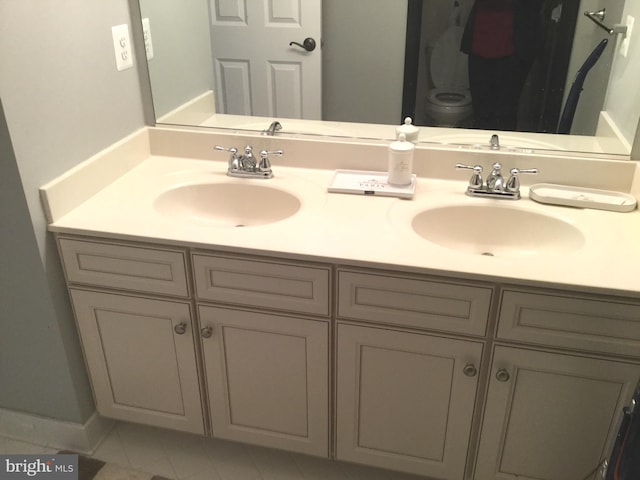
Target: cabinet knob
x,y
470,370
180,328
206,332
502,375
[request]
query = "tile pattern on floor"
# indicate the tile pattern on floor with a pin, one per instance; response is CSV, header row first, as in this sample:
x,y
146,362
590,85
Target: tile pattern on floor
x,y
182,456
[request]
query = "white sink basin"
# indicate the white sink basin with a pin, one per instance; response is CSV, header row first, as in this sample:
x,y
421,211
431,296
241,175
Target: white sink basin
x,y
228,204
497,231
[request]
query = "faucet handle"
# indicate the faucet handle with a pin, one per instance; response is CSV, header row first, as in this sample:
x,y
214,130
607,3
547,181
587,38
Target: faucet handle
x,y
265,153
265,164
234,161
513,184
225,149
476,179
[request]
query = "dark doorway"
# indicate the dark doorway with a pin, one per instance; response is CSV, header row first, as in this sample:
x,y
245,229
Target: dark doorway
x,y
541,101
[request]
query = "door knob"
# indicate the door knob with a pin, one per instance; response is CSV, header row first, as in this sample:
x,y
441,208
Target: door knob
x,y
180,328
502,375
309,44
470,370
206,332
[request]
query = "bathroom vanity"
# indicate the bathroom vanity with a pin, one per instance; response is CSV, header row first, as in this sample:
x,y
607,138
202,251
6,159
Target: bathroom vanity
x,y
340,330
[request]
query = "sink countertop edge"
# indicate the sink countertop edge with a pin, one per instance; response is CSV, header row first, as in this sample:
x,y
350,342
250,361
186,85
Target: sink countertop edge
x,y
355,230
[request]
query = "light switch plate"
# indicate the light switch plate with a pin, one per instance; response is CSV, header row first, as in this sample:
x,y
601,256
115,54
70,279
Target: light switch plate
x,y
122,46
624,46
148,42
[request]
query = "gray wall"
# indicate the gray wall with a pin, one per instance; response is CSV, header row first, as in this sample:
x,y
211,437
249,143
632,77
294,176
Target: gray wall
x,y
365,38
34,373
63,102
182,64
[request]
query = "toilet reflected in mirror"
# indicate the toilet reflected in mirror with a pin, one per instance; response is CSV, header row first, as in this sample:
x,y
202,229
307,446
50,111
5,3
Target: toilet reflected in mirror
x,y
448,104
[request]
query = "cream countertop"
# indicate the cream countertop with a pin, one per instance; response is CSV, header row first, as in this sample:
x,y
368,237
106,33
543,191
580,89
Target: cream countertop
x,y
353,229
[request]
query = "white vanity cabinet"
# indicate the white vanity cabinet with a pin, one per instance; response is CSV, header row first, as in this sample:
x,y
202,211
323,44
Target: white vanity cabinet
x,y
139,350
550,416
445,378
553,414
405,398
265,344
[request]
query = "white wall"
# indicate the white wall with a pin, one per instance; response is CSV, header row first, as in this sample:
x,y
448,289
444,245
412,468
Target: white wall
x,y
63,101
182,64
375,29
623,96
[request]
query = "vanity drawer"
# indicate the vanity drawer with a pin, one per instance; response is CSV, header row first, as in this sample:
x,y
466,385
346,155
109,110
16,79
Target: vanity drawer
x,y
262,283
413,302
124,267
584,323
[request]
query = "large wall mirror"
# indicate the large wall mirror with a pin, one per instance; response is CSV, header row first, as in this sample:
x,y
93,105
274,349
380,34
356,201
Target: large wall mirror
x,y
356,68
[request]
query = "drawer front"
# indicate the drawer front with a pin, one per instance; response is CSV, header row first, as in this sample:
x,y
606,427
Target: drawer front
x,y
125,267
263,284
572,322
413,303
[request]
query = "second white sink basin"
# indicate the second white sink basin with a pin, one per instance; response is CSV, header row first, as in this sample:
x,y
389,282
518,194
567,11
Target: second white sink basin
x,y
497,231
228,204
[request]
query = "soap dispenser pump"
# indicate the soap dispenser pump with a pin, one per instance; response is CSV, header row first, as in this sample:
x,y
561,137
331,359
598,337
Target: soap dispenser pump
x,y
400,161
410,131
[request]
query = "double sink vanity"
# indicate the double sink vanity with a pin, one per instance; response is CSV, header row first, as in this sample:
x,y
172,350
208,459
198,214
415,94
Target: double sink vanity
x,y
448,336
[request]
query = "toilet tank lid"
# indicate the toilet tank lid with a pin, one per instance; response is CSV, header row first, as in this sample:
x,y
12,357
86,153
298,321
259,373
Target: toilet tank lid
x,y
448,64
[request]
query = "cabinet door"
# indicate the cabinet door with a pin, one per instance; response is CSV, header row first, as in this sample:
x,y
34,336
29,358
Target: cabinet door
x,y
550,416
404,401
141,359
267,379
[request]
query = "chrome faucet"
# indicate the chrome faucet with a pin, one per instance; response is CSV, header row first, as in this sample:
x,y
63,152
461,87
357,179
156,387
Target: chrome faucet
x,y
495,180
494,143
495,186
247,165
271,130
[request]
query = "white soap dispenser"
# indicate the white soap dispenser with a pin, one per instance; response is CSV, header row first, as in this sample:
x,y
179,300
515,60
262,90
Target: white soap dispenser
x,y
400,161
411,132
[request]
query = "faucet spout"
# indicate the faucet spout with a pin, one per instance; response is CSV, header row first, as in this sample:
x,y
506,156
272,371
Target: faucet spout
x,y
271,130
495,180
495,186
247,165
494,143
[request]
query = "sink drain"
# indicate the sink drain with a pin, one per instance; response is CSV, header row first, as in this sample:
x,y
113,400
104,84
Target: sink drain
x,y
487,254
240,225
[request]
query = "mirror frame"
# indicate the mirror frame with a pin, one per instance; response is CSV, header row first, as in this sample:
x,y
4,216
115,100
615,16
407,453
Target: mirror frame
x,y
150,117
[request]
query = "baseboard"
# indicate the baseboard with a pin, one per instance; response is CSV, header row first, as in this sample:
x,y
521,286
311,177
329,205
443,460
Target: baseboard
x,y
51,433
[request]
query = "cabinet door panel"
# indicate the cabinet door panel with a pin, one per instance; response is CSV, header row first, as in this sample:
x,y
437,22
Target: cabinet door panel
x,y
413,302
262,284
587,323
554,417
141,369
268,379
142,269
403,401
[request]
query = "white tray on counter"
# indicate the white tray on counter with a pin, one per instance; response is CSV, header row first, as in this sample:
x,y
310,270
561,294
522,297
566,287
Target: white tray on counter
x,y
361,182
582,197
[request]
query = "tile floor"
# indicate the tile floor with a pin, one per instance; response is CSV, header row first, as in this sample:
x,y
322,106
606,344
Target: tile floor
x,y
183,456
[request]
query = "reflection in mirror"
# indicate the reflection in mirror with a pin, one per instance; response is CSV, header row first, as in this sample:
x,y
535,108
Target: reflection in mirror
x,y
217,64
